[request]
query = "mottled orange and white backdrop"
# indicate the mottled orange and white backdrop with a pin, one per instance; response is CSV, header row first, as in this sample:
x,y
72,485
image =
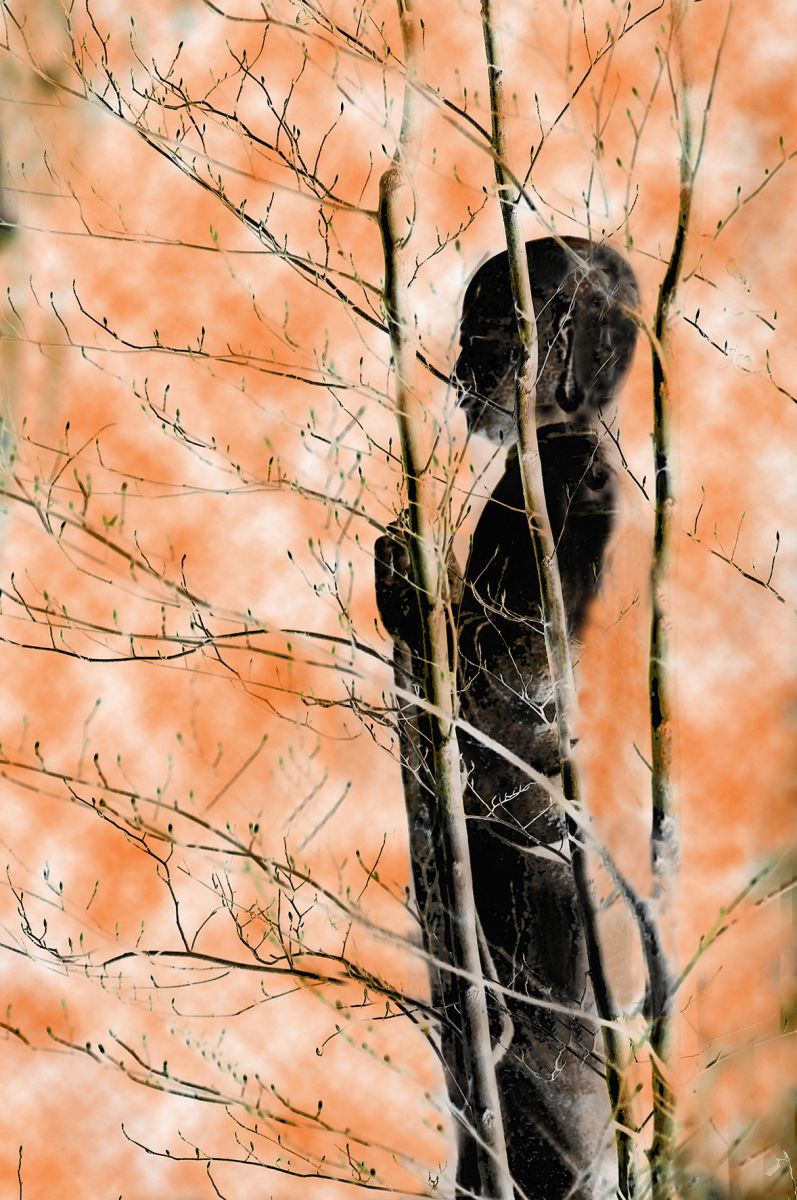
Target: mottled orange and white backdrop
x,y
163,372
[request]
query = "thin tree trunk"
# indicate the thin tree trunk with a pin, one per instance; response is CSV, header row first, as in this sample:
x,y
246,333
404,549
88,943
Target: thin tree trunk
x,y
553,610
664,840
438,676
664,830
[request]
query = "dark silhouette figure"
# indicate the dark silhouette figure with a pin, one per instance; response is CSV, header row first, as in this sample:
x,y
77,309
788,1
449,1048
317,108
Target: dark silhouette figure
x,y
549,1067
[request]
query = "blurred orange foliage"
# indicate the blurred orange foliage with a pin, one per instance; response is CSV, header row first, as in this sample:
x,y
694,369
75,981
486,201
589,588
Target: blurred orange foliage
x,y
164,369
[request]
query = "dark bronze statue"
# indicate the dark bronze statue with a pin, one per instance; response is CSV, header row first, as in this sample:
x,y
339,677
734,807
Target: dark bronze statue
x,y
549,1065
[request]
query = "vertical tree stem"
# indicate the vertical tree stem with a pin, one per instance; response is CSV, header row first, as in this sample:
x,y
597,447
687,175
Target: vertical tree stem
x,y
664,832
553,609
396,199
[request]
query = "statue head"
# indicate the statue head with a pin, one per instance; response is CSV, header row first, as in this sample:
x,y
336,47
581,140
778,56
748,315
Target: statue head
x,y
583,295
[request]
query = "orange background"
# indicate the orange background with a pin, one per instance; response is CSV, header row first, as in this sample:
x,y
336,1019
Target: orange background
x,y
169,447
